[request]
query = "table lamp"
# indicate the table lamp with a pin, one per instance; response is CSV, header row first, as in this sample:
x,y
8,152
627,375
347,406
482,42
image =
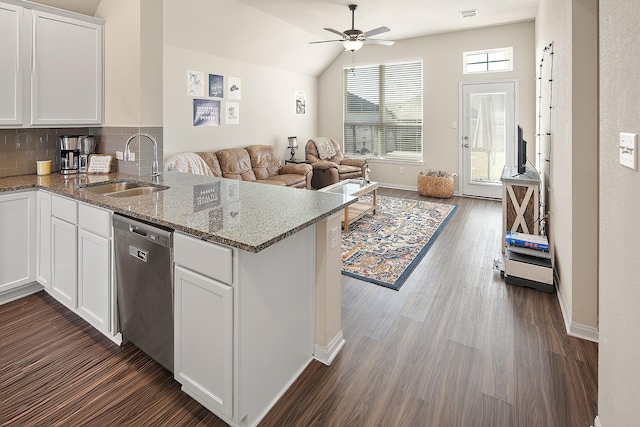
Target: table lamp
x,y
293,145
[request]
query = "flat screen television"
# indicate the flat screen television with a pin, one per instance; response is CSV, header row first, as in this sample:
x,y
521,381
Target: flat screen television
x,y
522,152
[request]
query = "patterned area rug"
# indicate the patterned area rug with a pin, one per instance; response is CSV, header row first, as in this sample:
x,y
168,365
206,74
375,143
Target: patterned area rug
x,y
385,248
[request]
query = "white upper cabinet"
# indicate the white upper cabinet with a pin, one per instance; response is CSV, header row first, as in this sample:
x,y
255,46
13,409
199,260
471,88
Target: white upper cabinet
x,y
66,82
51,73
11,52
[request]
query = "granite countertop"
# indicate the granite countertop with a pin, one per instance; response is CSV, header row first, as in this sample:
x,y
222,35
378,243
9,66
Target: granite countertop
x,y
244,215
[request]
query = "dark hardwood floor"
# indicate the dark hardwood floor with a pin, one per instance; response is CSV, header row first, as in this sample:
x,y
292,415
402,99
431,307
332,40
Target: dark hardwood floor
x,y
455,346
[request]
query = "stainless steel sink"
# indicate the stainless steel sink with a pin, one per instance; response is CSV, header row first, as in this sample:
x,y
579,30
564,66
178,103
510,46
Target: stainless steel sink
x,y
139,191
123,189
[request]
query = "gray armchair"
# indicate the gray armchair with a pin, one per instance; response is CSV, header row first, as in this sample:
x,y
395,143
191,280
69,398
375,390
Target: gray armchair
x,y
330,170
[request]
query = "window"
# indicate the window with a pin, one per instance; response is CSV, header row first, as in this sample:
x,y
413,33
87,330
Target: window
x,y
383,110
488,61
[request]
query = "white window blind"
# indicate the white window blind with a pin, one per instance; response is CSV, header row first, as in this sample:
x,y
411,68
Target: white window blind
x,y
383,109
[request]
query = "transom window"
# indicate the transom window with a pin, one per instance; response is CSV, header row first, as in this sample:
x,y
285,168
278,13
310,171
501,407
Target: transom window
x,y
383,110
488,61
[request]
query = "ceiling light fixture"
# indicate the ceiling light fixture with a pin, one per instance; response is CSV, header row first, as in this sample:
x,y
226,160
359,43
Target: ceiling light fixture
x,y
352,45
469,13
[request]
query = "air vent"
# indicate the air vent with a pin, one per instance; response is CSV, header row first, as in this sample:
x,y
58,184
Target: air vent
x,y
469,13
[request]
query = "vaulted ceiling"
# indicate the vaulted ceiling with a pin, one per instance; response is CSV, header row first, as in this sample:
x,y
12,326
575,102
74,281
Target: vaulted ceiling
x,y
276,33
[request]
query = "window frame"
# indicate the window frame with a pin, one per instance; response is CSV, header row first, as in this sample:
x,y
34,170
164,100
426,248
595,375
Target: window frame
x,y
508,51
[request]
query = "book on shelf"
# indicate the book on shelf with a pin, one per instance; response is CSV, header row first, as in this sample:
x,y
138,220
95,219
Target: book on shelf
x,y
529,251
530,241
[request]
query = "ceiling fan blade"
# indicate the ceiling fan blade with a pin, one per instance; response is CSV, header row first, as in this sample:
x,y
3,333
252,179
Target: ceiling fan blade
x,y
378,41
375,31
326,41
340,33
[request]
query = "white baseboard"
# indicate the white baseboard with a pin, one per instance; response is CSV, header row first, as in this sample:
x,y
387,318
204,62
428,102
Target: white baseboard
x,y
596,422
398,186
405,187
574,329
326,354
21,292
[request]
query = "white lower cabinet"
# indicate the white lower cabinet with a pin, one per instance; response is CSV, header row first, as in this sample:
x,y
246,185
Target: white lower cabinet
x,y
64,260
243,322
204,339
94,278
17,239
43,236
96,299
82,261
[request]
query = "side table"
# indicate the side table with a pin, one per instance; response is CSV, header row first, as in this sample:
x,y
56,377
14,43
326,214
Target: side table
x,y
520,201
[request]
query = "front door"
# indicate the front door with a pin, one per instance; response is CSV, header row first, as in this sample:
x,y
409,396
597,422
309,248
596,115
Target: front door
x,y
487,136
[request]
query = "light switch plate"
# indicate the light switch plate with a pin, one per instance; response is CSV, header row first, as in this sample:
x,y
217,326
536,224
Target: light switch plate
x,y
628,150
119,155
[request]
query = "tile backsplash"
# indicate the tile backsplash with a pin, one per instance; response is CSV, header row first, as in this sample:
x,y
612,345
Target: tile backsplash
x,y
21,148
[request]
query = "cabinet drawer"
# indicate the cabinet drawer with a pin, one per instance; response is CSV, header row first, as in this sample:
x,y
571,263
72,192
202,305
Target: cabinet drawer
x,y
65,209
94,219
204,257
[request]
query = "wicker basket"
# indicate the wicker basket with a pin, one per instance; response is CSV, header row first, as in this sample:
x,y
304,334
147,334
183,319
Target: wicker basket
x,y
436,184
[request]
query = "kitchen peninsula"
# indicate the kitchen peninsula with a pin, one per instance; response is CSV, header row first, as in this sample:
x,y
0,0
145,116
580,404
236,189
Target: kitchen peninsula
x,y
256,272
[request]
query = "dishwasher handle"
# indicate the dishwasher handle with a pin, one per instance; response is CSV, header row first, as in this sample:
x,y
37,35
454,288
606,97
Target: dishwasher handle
x,y
124,226
138,230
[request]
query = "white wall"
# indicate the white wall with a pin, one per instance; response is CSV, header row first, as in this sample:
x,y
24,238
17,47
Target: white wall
x,y
122,64
133,62
572,181
193,40
267,107
442,68
234,30
151,63
619,349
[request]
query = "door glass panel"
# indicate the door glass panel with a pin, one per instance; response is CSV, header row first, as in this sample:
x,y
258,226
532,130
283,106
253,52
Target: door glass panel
x,y
487,136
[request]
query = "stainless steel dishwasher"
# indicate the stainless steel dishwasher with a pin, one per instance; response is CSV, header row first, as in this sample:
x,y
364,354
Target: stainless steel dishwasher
x,y
144,274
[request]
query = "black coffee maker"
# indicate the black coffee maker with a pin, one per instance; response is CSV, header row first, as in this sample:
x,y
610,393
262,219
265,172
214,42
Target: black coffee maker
x,y
69,154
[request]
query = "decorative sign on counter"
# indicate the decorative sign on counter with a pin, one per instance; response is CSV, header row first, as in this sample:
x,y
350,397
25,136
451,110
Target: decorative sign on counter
x,y
206,196
99,163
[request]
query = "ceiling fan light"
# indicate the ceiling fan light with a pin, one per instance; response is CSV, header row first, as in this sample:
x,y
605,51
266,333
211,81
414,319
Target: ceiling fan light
x,y
352,45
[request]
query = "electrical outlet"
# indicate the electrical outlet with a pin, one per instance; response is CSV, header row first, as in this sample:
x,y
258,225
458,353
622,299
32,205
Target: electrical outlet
x,y
132,156
401,170
335,237
119,155
628,147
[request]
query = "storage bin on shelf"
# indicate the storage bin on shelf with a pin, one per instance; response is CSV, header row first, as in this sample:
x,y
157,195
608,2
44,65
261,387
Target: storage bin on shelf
x,y
436,183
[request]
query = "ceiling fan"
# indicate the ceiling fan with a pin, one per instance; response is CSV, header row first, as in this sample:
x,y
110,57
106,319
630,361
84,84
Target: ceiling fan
x,y
354,39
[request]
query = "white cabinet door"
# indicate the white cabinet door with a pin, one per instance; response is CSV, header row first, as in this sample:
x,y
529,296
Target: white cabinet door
x,y
66,82
64,258
43,237
94,278
11,52
17,239
204,339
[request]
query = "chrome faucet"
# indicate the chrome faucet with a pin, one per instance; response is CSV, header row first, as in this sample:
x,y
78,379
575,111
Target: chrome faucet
x,y
154,165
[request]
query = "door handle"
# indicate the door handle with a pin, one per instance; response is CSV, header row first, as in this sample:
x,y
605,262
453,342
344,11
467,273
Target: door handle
x,y
465,145
466,138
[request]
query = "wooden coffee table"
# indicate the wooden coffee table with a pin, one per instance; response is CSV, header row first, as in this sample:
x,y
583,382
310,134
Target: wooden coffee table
x,y
354,187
